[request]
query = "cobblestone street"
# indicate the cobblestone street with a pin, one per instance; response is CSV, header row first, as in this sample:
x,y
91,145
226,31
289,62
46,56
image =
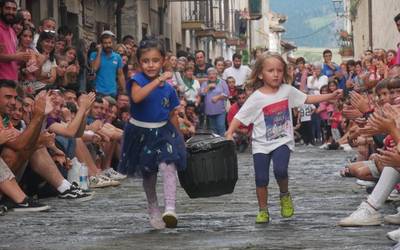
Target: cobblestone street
x,y
116,217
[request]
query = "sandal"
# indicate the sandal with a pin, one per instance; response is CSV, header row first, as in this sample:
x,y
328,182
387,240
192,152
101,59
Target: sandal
x,y
345,172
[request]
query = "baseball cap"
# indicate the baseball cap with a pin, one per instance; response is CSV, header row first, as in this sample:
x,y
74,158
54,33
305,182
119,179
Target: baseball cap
x,y
107,32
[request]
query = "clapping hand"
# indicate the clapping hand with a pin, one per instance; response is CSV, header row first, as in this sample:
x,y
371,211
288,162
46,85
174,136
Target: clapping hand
x,y
359,102
351,113
7,135
86,101
389,157
43,103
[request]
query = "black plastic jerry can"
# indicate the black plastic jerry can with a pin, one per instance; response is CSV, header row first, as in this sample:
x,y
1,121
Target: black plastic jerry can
x,y
212,168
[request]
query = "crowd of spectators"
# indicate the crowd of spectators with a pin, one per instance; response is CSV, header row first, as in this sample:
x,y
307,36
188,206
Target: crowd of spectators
x,y
61,99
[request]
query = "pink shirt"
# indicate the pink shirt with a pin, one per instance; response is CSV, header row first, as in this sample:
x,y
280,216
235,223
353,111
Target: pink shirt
x,y
325,108
8,46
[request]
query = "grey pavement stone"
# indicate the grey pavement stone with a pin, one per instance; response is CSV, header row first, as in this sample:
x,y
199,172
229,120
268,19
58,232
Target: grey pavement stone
x,y
116,218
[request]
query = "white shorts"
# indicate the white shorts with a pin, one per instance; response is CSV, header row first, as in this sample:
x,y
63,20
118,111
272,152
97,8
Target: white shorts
x,y
5,172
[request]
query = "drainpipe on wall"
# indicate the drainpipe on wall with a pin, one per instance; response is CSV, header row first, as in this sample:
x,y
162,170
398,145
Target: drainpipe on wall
x,y
63,13
370,24
118,17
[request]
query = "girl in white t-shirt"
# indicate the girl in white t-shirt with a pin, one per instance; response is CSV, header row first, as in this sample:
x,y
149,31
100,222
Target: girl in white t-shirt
x,y
269,110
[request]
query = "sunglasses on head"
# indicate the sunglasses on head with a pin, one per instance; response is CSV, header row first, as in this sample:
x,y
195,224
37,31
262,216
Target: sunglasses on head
x,y
49,31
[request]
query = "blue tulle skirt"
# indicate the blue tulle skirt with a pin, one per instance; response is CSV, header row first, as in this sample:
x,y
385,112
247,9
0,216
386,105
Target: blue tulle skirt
x,y
143,149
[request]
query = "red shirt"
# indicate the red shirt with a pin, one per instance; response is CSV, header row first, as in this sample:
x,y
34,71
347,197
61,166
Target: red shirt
x,y
8,46
231,114
336,119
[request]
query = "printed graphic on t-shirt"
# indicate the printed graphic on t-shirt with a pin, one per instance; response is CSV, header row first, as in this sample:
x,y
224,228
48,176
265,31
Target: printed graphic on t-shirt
x,y
277,120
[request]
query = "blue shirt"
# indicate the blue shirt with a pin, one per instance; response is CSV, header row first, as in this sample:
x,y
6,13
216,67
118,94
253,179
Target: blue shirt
x,y
326,70
157,106
106,75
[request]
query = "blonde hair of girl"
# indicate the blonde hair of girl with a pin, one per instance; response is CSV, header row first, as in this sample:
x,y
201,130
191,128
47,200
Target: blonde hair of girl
x,y
255,82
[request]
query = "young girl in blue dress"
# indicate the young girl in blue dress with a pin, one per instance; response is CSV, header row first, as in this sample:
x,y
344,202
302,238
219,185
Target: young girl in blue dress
x,y
269,110
152,141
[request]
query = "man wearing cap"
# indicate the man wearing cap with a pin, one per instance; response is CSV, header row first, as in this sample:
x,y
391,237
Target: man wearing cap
x,y
108,66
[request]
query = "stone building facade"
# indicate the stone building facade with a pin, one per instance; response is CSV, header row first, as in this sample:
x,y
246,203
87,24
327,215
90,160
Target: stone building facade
x,y
221,27
373,26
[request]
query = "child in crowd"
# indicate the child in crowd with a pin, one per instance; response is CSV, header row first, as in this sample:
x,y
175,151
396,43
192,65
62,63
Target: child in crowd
x,y
152,140
335,121
191,115
168,68
185,126
325,110
230,80
268,109
306,110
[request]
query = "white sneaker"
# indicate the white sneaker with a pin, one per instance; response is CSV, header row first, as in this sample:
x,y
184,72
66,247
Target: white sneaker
x,y
114,175
394,235
346,147
365,183
324,146
394,196
100,181
394,218
365,215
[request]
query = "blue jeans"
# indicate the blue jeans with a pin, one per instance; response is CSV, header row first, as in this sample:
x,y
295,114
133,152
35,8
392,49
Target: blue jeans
x,y
217,123
316,126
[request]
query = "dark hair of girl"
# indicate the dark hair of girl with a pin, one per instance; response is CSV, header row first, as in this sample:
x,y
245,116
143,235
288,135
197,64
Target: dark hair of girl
x,y
44,36
76,53
149,43
26,27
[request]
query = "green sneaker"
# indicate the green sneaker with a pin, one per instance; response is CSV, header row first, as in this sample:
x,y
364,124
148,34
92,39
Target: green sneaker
x,y
262,217
287,209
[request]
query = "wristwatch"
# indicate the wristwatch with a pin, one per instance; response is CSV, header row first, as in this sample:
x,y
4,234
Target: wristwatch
x,y
160,79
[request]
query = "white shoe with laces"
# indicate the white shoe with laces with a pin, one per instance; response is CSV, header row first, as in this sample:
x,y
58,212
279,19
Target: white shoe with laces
x,y
394,235
101,181
324,146
365,183
365,215
394,218
394,196
114,175
346,147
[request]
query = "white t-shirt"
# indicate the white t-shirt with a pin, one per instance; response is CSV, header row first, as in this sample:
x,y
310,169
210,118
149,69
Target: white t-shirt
x,y
191,93
306,110
241,74
46,69
314,85
271,116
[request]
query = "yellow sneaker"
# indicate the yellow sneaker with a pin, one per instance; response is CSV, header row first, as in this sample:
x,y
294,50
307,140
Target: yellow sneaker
x,y
287,209
262,217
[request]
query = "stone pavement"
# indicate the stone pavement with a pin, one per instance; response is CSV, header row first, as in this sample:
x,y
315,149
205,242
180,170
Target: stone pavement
x,y
116,218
